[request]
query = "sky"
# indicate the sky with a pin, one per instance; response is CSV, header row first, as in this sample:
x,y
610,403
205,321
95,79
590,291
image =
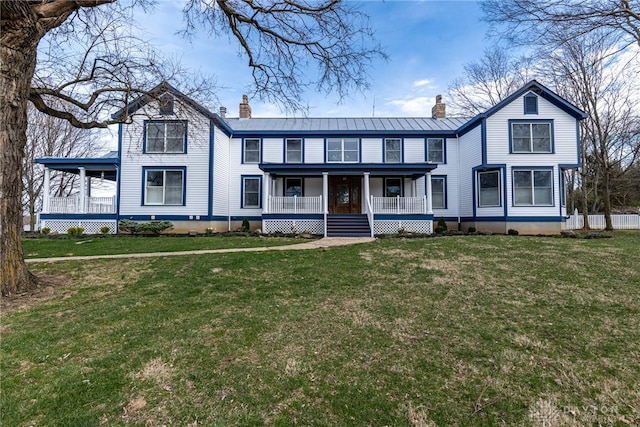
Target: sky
x,y
428,43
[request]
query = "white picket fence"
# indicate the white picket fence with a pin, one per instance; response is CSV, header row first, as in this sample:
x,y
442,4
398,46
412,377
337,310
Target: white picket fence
x,y
597,222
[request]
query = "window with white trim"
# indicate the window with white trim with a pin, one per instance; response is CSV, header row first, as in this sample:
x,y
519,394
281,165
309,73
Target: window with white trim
x,y
343,150
251,150
164,187
435,150
293,187
438,192
392,187
293,150
251,192
530,137
392,150
165,136
489,189
532,188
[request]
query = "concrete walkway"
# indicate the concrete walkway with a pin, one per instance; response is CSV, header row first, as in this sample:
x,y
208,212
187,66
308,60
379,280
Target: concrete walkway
x,y
325,242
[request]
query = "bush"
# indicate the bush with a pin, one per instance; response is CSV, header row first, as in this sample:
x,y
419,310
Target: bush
x,y
442,226
75,231
208,231
104,229
45,230
245,225
153,227
472,230
512,232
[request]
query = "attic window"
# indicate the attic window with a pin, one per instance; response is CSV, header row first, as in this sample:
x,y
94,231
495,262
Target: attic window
x,y
166,105
530,104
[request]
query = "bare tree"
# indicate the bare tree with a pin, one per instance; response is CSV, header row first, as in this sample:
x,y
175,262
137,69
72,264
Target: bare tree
x,y
485,83
525,22
85,57
51,137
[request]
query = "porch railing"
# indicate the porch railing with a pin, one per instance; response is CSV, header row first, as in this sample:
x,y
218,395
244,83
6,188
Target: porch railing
x,y
399,205
71,205
295,204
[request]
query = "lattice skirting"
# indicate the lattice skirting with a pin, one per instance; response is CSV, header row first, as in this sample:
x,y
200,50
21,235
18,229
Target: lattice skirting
x,y
313,226
90,226
394,226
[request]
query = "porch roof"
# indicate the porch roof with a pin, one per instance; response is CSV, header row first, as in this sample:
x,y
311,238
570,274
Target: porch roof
x,y
94,166
415,170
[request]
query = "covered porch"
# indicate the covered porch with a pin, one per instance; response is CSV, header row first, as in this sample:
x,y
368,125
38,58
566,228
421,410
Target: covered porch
x,y
311,197
81,208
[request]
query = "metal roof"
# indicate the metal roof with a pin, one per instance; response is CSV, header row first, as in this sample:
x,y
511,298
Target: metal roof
x,y
364,125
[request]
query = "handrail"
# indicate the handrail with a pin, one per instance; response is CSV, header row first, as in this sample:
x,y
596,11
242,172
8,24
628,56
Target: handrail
x,y
370,215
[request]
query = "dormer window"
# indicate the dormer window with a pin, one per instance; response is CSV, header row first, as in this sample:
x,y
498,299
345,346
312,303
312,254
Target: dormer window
x,y
530,104
166,105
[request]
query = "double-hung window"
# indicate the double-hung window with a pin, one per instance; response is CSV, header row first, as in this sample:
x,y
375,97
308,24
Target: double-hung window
x,y
438,192
532,188
435,150
251,194
293,150
164,186
293,187
165,136
489,189
343,150
251,150
393,187
531,137
393,150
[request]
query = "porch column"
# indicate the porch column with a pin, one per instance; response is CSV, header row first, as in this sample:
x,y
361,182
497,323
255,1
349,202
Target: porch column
x,y
366,190
325,200
266,192
83,188
46,190
89,186
429,201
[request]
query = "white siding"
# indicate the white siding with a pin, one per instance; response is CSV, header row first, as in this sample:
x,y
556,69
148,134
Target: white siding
x,y
196,162
272,150
314,150
221,174
312,187
414,150
450,171
371,150
470,156
236,171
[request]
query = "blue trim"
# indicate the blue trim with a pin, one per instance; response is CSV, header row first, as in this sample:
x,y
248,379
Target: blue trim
x,y
531,169
173,218
384,149
483,140
319,134
415,169
244,140
164,168
184,142
384,185
242,218
79,216
210,186
444,150
578,141
285,151
293,216
259,178
559,218
402,216
446,195
528,106
532,121
503,184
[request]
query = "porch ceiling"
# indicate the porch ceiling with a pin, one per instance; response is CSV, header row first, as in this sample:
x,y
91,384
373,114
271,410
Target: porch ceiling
x,y
104,167
415,170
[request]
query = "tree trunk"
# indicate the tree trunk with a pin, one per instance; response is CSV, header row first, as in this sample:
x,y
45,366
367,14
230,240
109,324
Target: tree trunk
x,y
19,40
606,195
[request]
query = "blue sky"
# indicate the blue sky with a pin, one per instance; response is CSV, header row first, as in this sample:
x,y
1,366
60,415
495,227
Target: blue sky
x,y
428,43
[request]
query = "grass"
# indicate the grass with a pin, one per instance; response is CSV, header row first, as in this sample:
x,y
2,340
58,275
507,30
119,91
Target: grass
x,y
109,245
481,330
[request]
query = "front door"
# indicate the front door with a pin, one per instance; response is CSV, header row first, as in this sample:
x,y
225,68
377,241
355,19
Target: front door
x,y
344,194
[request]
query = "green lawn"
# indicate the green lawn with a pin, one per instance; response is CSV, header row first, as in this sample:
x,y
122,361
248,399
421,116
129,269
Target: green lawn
x,y
125,244
477,330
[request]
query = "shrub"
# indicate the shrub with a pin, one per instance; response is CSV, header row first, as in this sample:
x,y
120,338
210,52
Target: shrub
x,y
245,225
45,230
208,231
512,232
442,226
104,229
75,231
472,230
152,227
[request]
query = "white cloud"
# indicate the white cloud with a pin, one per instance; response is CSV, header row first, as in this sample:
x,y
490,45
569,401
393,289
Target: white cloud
x,y
423,82
418,106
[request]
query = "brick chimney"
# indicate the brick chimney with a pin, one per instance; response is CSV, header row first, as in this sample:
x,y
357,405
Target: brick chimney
x,y
439,110
245,108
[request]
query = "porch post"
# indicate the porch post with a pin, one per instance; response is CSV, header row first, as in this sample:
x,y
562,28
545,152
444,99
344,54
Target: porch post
x,y
266,192
325,199
89,186
429,201
83,188
366,190
46,190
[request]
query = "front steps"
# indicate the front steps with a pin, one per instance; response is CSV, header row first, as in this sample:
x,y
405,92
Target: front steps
x,y
348,225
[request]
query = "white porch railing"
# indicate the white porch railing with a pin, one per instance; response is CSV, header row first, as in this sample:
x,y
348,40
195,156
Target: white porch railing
x,y
399,205
597,222
71,205
295,205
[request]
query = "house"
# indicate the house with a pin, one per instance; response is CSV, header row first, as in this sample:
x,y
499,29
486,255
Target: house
x,y
176,160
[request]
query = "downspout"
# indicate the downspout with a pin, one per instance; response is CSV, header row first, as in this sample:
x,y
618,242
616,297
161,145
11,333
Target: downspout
x,y
459,181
